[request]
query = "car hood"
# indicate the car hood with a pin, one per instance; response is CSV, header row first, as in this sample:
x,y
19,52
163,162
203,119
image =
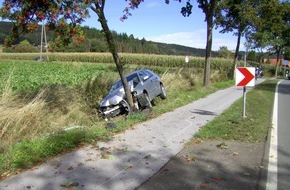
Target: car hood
x,y
114,97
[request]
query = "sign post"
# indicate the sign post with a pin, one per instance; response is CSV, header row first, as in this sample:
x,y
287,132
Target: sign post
x,y
286,71
245,76
186,60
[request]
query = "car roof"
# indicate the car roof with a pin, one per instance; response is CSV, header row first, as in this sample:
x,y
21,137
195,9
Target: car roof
x,y
135,72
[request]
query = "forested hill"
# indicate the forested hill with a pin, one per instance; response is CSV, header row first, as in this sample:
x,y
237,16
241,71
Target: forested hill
x,y
95,42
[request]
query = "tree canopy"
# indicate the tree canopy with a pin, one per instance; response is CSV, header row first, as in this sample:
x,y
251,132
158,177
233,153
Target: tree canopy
x,y
63,16
236,16
272,30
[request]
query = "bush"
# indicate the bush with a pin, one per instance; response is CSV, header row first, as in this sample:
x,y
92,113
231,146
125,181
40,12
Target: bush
x,y
23,47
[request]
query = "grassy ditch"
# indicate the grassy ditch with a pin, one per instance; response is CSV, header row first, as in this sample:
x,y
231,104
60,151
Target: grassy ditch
x,y
231,125
43,114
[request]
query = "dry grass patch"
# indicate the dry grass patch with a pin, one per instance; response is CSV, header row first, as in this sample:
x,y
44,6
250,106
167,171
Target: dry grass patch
x,y
184,79
18,120
49,111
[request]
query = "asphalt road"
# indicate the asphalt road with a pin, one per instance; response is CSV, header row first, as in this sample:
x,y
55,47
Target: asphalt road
x,y
283,135
277,174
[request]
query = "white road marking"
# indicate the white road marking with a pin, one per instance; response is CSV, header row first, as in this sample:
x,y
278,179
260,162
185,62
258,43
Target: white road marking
x,y
272,177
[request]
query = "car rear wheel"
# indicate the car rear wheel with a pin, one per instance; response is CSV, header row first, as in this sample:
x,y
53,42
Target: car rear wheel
x,y
163,92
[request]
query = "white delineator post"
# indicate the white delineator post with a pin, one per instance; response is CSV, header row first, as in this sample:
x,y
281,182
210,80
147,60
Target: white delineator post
x,y
186,60
245,76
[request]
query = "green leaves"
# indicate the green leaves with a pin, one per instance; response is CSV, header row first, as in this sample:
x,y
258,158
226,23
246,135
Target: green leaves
x,y
270,29
186,11
64,16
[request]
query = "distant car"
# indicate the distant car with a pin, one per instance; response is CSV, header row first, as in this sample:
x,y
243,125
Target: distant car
x,y
40,59
145,86
259,73
287,73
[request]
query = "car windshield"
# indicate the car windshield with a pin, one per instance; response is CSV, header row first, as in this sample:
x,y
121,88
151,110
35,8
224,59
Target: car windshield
x,y
129,78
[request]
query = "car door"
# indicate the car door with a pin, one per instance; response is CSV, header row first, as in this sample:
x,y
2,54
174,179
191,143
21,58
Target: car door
x,y
156,81
148,83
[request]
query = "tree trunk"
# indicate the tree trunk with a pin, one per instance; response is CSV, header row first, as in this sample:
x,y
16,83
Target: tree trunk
x,y
113,50
277,61
206,81
237,53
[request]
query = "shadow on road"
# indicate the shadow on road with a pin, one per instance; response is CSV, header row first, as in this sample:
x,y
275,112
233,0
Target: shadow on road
x,y
204,112
205,166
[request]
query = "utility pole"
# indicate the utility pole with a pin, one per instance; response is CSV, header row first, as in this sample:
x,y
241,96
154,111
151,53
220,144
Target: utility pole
x,y
43,33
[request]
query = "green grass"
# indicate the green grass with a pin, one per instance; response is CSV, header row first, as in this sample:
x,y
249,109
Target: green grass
x,y
29,152
231,125
32,75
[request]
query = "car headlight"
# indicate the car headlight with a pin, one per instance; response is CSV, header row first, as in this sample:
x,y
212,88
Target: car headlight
x,y
115,101
104,103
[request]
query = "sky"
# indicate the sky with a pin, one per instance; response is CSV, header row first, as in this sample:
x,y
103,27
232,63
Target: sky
x,y
157,21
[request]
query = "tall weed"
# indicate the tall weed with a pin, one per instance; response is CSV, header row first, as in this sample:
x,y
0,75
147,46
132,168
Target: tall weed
x,y
18,119
96,88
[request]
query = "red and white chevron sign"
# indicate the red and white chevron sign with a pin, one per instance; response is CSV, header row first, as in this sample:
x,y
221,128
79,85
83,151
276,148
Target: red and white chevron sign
x,y
245,76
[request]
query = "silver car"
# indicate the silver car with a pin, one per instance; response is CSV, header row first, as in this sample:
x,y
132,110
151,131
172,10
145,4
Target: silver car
x,y
145,86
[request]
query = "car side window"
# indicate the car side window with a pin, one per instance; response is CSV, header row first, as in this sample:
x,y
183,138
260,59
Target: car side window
x,y
142,75
135,81
147,73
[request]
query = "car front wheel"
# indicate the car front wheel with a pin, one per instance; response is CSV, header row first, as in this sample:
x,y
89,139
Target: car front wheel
x,y
125,108
163,92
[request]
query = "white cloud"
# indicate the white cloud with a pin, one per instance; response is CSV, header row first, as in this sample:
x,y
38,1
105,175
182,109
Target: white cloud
x,y
190,39
152,5
196,39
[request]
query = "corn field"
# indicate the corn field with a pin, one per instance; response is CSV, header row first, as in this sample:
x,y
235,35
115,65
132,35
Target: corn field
x,y
126,58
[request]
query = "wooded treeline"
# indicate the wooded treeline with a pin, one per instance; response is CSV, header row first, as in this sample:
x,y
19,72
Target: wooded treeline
x,y
96,42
